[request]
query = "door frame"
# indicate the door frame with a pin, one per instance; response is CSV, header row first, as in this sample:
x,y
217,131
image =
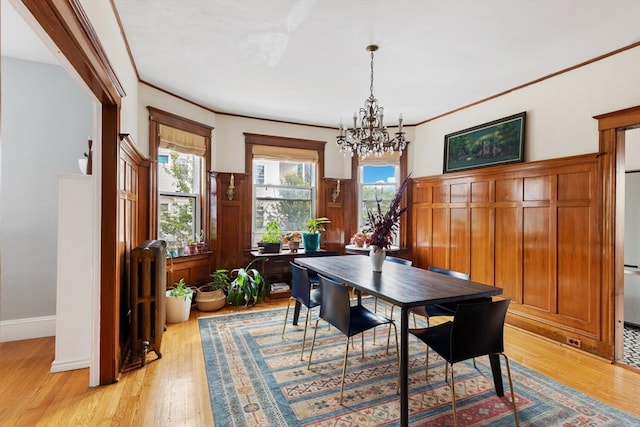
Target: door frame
x,y
611,128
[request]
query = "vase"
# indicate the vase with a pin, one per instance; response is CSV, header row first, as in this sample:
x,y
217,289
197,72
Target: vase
x,y
377,256
311,242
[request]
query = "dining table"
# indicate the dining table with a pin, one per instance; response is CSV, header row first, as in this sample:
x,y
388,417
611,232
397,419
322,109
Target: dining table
x,y
406,287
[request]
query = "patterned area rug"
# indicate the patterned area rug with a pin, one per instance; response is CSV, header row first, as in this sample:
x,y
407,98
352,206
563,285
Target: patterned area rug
x,y
257,379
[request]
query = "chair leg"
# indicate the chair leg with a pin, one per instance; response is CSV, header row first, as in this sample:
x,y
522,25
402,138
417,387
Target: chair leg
x,y
375,310
513,398
344,369
453,398
286,314
304,335
362,343
389,330
426,365
313,343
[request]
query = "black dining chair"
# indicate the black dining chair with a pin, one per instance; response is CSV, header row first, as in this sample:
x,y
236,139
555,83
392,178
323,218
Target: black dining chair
x,y
444,309
302,292
313,276
476,330
337,310
375,300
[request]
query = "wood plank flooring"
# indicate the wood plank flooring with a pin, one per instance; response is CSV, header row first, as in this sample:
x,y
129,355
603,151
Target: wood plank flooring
x,y
173,390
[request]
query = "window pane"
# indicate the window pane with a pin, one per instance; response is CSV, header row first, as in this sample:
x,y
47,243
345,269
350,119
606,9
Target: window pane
x,y
377,182
177,224
283,191
376,174
179,178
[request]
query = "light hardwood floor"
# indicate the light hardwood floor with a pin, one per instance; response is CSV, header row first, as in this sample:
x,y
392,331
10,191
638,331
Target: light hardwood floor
x,y
173,390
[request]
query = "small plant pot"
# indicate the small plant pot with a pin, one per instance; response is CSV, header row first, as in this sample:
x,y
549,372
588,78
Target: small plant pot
x,y
294,246
270,248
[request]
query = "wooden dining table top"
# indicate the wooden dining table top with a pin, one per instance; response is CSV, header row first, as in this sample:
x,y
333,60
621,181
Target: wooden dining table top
x,y
402,285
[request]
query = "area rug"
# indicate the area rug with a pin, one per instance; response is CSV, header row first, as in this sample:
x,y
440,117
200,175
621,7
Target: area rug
x,y
256,378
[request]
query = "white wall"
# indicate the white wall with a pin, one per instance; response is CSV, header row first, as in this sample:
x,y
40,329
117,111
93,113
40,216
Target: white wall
x,y
46,120
559,110
104,22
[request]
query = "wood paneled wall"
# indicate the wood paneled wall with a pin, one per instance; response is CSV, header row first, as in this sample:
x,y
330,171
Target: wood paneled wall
x,y
133,182
533,229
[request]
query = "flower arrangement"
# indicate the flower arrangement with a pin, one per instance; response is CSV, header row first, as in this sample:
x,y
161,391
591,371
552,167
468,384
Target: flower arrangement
x,y
292,236
382,225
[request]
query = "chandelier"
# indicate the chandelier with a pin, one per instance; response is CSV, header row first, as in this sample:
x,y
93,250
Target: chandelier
x,y
371,136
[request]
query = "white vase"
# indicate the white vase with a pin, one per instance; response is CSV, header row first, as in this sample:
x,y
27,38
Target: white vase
x,y
82,164
376,255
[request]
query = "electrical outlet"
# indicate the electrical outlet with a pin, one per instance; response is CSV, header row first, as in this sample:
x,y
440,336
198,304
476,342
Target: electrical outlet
x,y
574,342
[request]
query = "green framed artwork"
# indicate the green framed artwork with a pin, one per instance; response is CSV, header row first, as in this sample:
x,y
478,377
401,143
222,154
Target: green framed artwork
x,y
489,144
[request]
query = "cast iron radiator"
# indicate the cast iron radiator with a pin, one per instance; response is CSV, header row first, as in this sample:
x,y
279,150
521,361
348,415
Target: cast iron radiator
x,y
148,289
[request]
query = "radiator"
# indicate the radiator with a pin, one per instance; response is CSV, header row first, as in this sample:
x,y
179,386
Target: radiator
x,y
148,287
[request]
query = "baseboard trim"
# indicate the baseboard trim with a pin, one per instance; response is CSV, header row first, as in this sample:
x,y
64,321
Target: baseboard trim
x,y
27,328
68,365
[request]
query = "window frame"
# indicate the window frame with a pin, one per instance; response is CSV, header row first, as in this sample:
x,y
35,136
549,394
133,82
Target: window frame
x,y
279,141
156,118
355,210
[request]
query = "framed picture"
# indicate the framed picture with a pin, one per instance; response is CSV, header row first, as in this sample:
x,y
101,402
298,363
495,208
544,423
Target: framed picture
x,y
494,143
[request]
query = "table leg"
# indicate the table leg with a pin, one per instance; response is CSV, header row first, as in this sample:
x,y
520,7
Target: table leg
x,y
296,313
494,360
404,366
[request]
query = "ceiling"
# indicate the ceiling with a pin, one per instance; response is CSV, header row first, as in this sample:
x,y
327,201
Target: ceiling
x,y
304,61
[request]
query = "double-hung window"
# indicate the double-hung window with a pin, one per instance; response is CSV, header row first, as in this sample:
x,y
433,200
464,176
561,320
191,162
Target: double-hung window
x,y
378,179
284,188
181,185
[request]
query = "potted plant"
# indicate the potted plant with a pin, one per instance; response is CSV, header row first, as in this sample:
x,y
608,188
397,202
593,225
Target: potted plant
x,y
293,239
272,238
382,226
201,245
247,287
314,227
213,295
178,302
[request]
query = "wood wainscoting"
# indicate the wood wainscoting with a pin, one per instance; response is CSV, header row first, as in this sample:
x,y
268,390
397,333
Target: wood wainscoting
x,y
533,229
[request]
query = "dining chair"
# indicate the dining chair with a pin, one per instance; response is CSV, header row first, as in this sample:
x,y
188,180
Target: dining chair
x,y
476,330
313,276
336,309
302,292
444,309
375,299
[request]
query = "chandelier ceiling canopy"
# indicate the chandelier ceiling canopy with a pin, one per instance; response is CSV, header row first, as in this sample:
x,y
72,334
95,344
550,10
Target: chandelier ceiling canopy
x,y
369,135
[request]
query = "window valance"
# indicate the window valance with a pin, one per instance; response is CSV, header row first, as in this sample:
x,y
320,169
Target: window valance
x,y
182,141
273,152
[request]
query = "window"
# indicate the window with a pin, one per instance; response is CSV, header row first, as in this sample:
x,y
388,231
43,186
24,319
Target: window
x,y
179,198
284,174
284,190
180,208
378,178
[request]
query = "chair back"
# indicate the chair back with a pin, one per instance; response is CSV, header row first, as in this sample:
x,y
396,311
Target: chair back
x,y
335,307
477,329
300,285
320,253
398,260
452,273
